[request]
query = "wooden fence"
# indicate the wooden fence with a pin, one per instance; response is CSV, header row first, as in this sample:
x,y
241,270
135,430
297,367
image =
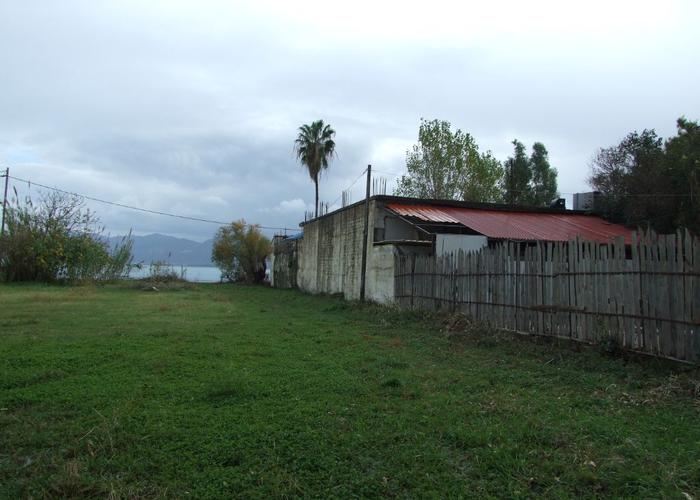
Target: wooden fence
x,y
644,296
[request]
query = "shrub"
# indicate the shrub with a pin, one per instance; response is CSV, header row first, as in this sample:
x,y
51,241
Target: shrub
x,y
240,251
57,239
162,272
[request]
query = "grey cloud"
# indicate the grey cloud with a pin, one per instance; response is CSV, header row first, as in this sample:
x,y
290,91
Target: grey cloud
x,y
194,110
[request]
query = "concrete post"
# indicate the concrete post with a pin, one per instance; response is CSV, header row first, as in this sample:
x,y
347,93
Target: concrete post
x,y
363,271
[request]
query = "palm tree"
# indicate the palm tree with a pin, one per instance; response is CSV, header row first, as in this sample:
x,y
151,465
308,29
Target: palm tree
x,y
314,147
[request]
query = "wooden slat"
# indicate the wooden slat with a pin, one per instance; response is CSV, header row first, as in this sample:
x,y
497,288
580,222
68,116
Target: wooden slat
x,y
582,290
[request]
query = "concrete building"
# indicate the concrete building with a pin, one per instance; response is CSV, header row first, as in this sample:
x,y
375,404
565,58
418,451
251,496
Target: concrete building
x,y
284,261
328,258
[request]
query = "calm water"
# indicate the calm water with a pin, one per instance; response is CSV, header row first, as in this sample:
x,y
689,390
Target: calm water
x,y
197,274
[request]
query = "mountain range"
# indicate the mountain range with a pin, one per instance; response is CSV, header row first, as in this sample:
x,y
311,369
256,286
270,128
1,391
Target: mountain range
x,y
174,251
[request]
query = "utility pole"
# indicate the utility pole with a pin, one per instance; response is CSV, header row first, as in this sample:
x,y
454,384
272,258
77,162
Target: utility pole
x,y
363,271
4,201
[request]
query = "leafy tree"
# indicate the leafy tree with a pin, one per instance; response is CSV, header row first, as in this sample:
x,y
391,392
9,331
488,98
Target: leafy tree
x,y
683,158
58,239
529,181
240,250
314,147
448,165
483,174
633,179
544,178
516,181
646,182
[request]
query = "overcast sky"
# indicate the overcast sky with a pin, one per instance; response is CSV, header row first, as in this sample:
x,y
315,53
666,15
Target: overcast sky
x,y
192,107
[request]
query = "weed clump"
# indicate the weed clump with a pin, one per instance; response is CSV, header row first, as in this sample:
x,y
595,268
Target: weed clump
x,y
164,276
460,326
610,346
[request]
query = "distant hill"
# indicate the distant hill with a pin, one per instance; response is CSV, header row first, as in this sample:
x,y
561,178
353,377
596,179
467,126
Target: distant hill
x,y
175,251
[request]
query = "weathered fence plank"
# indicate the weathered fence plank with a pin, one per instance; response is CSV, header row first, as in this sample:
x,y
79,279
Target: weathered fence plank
x,y
586,291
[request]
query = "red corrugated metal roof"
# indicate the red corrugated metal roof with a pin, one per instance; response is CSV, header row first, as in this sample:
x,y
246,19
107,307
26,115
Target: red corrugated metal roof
x,y
519,225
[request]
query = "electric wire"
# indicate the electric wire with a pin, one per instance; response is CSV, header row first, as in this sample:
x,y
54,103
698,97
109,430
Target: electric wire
x,y
140,209
351,185
274,228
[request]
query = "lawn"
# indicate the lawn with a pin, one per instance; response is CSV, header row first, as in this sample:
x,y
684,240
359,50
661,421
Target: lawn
x,y
221,391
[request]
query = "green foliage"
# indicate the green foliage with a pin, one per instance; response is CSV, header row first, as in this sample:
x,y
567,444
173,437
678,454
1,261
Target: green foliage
x,y
544,178
239,251
58,240
161,272
483,174
448,165
517,176
249,392
529,181
646,183
314,147
683,159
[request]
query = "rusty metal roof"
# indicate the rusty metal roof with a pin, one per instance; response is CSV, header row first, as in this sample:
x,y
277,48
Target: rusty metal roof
x,y
518,225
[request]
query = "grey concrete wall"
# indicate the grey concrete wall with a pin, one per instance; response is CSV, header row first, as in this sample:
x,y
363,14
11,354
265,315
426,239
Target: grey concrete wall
x,y
330,256
380,273
284,263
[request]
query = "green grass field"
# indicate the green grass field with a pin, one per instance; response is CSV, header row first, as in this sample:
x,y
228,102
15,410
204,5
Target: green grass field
x,y
221,391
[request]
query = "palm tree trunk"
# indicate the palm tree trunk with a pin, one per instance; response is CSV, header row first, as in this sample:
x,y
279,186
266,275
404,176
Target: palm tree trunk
x,y
316,183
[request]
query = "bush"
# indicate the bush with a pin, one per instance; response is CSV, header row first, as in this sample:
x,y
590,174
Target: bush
x,y
162,272
240,251
58,239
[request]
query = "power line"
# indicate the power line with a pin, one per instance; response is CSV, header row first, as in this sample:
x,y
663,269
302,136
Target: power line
x,y
146,210
221,223
642,195
629,195
351,185
387,173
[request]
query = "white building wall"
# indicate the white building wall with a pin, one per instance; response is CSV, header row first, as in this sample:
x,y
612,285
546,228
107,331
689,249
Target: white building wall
x,y
448,243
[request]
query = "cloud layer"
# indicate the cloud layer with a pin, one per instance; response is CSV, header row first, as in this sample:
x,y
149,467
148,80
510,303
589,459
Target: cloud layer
x,y
192,108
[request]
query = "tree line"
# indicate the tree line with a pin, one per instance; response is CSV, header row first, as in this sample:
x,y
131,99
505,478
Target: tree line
x,y
647,182
447,164
57,239
642,182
